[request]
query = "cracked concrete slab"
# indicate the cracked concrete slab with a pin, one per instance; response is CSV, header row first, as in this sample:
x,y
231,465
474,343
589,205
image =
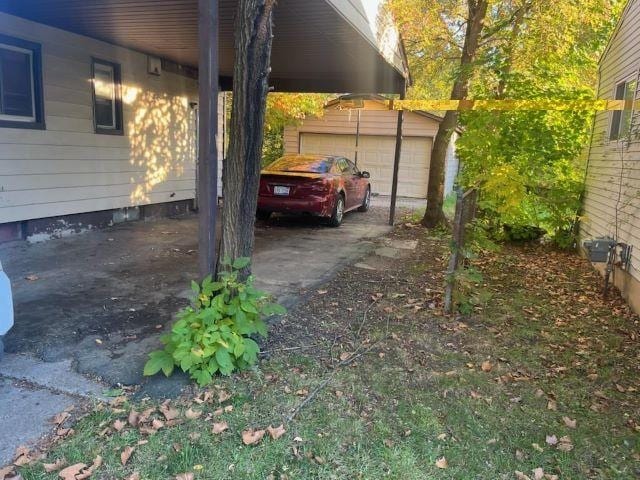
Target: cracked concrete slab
x,y
30,421
33,391
54,376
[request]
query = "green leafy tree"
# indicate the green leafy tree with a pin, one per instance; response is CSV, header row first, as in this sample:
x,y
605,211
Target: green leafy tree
x,y
527,164
287,109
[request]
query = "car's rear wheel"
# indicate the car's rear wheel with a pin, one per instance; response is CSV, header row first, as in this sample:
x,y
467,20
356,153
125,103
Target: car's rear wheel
x,y
366,203
263,215
338,212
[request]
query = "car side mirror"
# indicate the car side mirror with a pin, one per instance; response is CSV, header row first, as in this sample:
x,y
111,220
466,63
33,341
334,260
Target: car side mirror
x,y
365,175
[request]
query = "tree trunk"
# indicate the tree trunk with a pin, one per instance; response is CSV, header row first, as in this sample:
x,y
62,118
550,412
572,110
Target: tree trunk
x,y
241,175
434,214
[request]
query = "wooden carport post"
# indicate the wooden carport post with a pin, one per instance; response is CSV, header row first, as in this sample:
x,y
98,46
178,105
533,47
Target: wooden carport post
x,y
396,158
208,135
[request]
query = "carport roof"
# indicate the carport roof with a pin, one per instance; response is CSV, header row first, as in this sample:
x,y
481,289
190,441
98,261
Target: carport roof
x,y
319,45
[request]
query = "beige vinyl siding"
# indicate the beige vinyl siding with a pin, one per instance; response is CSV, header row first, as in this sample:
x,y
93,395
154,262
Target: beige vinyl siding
x,y
68,168
613,177
372,122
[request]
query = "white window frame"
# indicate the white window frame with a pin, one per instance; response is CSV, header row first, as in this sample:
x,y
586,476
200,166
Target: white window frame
x,y
22,118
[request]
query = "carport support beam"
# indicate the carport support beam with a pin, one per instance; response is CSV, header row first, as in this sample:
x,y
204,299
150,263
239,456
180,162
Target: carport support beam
x,y
396,160
208,135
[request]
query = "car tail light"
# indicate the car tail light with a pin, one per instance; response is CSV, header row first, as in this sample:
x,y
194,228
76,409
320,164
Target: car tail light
x,y
320,186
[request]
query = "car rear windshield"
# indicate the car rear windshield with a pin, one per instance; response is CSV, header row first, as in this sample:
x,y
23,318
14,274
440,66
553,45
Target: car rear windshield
x,y
301,164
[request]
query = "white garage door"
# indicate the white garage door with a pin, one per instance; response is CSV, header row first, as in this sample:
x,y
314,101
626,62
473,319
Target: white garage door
x,y
375,155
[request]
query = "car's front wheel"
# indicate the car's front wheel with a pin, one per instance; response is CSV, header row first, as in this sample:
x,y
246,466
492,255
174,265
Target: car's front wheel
x,y
338,212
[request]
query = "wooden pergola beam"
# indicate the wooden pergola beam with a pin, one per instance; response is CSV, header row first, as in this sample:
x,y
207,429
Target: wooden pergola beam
x,y
208,135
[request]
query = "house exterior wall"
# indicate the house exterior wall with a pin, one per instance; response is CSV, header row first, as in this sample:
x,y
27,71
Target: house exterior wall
x,y
612,200
67,168
373,122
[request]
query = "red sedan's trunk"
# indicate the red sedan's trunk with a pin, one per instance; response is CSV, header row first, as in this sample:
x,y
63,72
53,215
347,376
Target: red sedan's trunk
x,y
300,185
308,193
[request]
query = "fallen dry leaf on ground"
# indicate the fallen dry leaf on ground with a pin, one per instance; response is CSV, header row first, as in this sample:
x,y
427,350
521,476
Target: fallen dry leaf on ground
x,y
157,424
134,476
522,476
442,463
552,405
134,418
60,418
126,454
118,425
55,466
223,396
6,471
565,444
185,476
72,471
486,366
538,473
22,456
169,412
569,423
551,440
220,427
89,471
276,432
344,356
192,414
251,437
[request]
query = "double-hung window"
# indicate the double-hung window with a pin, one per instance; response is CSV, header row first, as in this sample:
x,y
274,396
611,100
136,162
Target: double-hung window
x,y
107,100
21,104
621,119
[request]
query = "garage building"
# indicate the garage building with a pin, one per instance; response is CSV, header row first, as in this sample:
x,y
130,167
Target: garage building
x,y
363,129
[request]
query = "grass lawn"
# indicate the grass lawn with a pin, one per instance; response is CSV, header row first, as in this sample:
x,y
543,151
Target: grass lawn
x,y
541,382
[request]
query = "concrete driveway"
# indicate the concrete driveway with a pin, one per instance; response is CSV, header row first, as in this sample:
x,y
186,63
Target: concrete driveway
x,y
101,296
90,307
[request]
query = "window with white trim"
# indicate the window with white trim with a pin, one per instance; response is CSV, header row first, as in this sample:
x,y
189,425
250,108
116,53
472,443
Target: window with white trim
x,y
20,84
107,102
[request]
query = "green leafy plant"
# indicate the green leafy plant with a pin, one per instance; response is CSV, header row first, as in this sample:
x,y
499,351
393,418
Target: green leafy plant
x,y
468,294
214,334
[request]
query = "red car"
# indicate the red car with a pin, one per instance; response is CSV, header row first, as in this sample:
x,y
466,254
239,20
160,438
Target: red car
x,y
320,185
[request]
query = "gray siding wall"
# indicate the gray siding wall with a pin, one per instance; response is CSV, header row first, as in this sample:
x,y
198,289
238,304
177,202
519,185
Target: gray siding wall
x,y
612,202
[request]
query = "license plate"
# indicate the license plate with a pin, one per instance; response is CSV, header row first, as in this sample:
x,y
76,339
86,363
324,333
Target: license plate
x,y
280,190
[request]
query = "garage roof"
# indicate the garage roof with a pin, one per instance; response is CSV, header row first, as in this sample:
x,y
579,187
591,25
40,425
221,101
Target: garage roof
x,y
367,101
319,45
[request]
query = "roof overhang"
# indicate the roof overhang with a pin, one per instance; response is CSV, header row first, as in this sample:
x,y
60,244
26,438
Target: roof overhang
x,y
318,46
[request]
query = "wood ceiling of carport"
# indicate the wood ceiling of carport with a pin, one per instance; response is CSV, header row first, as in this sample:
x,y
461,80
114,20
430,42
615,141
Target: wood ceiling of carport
x,y
316,47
